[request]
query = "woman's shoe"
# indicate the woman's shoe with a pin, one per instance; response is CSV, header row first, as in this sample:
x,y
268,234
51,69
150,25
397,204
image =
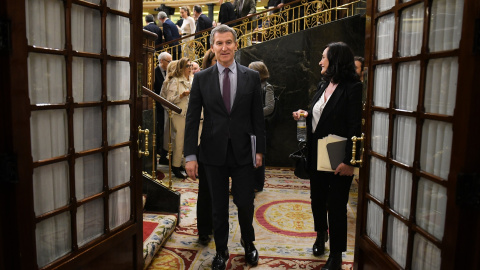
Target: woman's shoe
x,y
334,261
319,245
178,173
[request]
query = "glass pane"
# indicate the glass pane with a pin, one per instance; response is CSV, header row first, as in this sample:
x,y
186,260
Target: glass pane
x,y
380,132
86,29
51,189
46,78
404,139
86,79
89,221
378,173
118,166
374,222
401,191
118,80
431,207
118,35
408,81
426,256
48,134
397,240
45,22
383,86
93,1
385,32
385,4
411,30
87,127
118,124
119,205
122,5
445,25
441,85
436,148
88,176
53,238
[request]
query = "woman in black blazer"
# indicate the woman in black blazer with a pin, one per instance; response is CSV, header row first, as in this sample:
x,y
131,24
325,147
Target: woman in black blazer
x,y
335,109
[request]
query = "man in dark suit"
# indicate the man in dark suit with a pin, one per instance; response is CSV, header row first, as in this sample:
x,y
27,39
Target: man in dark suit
x,y
202,22
227,13
246,8
170,32
230,95
164,59
152,27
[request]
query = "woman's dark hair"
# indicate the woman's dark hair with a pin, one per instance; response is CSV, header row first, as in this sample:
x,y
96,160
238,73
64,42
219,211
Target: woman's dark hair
x,y
341,65
208,59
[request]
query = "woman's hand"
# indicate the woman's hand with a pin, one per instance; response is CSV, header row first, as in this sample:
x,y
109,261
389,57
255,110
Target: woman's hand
x,y
296,115
185,93
344,170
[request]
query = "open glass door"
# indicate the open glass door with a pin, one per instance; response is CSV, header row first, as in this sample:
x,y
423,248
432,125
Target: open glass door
x,y
413,50
79,80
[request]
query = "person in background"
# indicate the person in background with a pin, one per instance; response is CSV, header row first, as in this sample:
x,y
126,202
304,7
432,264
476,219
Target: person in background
x,y
177,91
359,66
164,59
336,108
268,100
230,96
226,13
246,8
195,68
170,32
152,27
209,59
203,22
188,28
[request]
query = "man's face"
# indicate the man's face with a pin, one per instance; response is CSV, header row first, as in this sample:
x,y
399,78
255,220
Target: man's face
x,y
358,69
224,47
195,14
195,67
164,62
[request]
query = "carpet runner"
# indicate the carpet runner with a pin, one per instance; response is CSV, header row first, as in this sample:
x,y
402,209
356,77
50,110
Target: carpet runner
x,y
283,225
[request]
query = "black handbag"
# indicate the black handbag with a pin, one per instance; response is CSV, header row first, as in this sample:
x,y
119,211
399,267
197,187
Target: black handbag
x,y
301,167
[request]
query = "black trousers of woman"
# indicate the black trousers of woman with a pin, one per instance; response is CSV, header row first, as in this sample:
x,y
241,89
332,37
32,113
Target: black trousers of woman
x,y
329,194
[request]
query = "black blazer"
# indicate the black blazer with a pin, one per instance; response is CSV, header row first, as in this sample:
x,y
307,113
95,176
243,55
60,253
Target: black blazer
x,y
203,22
152,27
170,31
245,118
226,13
341,116
159,79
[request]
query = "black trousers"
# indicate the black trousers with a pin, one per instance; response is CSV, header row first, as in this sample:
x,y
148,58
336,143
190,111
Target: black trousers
x,y
329,192
243,197
159,130
260,176
204,204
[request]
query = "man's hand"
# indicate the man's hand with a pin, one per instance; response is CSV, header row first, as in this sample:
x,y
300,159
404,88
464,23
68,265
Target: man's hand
x,y
259,160
192,169
344,170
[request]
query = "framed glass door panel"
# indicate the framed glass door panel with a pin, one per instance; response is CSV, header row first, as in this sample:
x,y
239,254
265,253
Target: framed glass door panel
x,y
401,191
408,82
397,240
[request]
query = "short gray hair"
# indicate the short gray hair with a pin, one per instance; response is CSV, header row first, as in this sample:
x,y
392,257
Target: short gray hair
x,y
162,15
222,29
163,55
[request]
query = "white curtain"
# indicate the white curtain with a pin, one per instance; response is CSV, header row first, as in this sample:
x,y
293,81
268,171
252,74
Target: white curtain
x,y
404,139
378,172
118,124
89,221
118,166
380,132
441,85
445,25
86,79
374,222
118,80
383,86
436,148
87,127
426,256
53,238
50,187
119,207
385,31
118,35
43,15
401,191
122,5
383,5
86,29
48,131
397,240
47,82
431,207
411,30
408,81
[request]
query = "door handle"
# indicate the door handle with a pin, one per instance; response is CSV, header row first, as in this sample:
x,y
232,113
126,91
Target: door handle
x,y
354,149
146,132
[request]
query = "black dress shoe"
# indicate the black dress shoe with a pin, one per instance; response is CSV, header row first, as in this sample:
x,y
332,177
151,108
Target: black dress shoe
x,y
319,245
220,260
334,261
178,173
163,161
204,239
251,253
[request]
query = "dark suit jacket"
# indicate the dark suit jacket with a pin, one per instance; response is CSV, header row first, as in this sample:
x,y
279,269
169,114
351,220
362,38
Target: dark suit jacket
x,y
170,31
245,118
159,79
155,29
226,13
341,116
203,22
249,7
